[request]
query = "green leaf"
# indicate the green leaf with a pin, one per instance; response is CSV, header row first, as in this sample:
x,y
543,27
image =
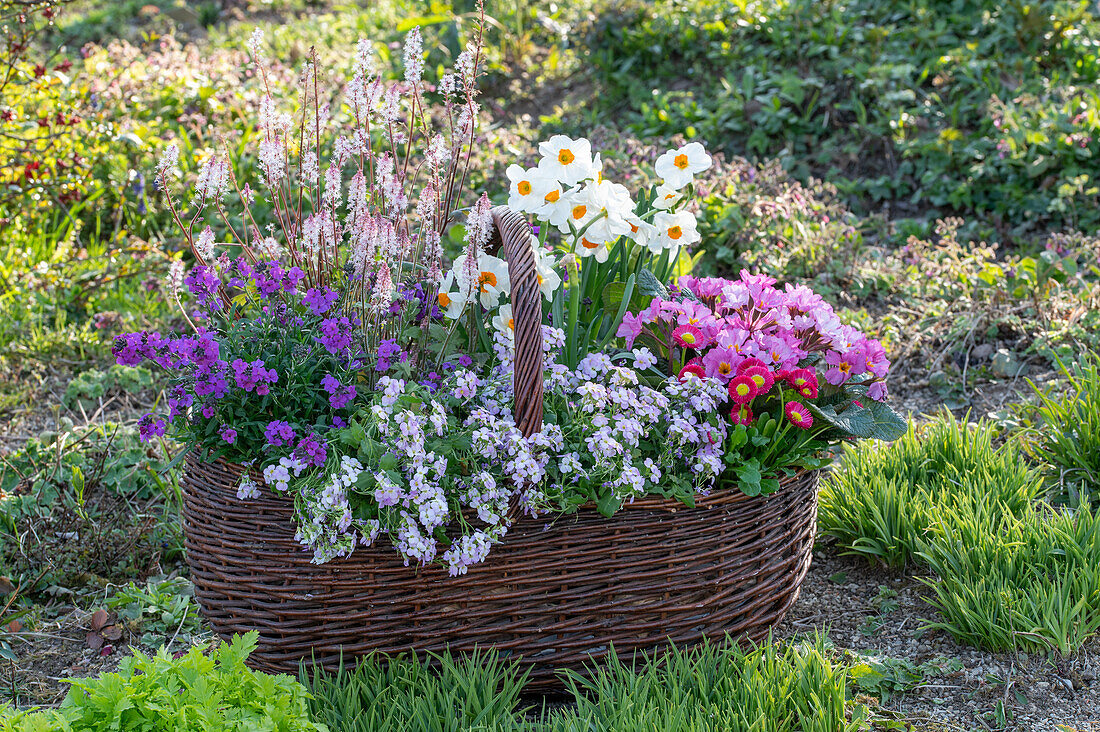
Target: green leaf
x,y
650,286
749,477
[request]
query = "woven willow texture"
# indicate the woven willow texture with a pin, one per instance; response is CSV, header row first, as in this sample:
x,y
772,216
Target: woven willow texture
x,y
557,594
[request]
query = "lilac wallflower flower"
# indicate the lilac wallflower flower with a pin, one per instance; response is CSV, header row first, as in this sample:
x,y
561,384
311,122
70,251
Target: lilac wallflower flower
x,y
151,426
320,300
387,351
228,434
203,283
279,433
311,450
336,334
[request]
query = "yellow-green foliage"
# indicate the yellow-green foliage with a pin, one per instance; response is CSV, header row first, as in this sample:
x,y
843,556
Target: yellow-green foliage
x,y
884,499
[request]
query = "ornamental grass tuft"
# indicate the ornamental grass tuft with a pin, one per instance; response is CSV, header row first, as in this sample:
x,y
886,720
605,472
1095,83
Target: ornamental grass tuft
x,y
1067,437
713,687
884,500
1029,583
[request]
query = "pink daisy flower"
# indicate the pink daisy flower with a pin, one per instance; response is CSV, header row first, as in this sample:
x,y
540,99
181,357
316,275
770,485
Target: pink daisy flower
x,y
742,389
688,336
804,381
694,366
741,414
761,377
749,363
799,415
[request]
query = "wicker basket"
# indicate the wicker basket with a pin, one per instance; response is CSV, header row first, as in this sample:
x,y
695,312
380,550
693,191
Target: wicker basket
x,y
556,595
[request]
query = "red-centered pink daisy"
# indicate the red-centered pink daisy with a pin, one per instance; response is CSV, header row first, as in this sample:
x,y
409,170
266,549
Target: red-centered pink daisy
x,y
742,389
694,366
804,381
760,376
741,414
799,415
750,363
688,336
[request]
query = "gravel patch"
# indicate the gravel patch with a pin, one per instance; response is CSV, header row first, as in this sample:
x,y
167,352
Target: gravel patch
x,y
961,688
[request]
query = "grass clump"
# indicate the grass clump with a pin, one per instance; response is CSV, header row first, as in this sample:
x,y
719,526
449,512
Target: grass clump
x,y
1008,571
792,687
1028,583
1067,438
771,688
885,499
391,695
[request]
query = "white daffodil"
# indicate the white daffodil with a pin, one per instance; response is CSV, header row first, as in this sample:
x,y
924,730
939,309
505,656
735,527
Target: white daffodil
x,y
503,320
452,302
613,207
645,234
492,280
593,247
574,207
678,167
666,196
675,229
528,188
549,279
566,160
550,200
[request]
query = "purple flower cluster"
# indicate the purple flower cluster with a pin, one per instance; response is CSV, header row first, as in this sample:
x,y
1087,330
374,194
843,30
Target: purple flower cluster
x,y
228,434
204,284
279,433
320,300
339,394
151,426
253,376
336,334
311,450
269,278
388,350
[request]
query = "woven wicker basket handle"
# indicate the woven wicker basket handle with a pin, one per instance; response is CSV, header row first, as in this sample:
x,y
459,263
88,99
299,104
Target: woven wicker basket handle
x,y
514,235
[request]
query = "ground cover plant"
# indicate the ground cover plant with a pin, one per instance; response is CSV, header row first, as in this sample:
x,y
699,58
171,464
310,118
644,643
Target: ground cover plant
x,y
975,107
193,692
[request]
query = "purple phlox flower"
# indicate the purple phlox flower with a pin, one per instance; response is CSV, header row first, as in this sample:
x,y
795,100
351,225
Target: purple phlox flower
x,y
228,434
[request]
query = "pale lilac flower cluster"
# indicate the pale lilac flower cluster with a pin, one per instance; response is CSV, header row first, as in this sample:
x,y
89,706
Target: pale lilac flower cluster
x,y
605,430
